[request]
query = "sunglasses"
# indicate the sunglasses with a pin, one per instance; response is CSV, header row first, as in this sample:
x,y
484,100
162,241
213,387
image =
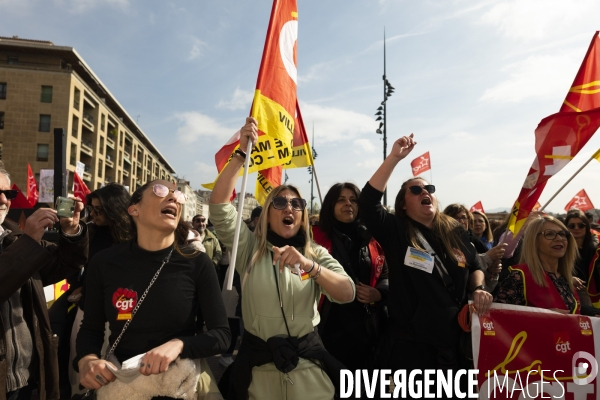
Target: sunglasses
x,y
96,209
9,194
417,190
280,203
579,225
163,191
551,234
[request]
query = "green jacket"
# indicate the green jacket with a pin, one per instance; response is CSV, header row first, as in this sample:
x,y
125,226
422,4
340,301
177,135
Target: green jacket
x,y
212,246
262,314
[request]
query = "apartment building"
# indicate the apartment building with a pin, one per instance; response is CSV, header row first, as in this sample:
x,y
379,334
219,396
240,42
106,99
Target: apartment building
x,y
43,87
189,208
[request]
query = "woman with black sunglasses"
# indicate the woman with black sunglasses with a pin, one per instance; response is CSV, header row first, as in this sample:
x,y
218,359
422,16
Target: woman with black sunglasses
x,y
283,275
431,265
587,243
544,277
179,282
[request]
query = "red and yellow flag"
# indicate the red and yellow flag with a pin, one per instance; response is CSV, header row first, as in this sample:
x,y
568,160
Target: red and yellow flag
x,y
274,105
559,137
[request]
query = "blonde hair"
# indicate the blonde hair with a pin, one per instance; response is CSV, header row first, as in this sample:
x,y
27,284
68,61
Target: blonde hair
x,y
263,226
531,257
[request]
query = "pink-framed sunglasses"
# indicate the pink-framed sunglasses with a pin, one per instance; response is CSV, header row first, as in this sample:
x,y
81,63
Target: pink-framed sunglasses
x,y
163,191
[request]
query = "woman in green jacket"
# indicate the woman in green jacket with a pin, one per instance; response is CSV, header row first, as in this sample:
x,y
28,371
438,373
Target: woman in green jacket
x,y
283,276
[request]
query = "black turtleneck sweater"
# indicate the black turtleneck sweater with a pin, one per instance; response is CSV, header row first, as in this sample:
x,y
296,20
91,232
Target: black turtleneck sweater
x,y
117,278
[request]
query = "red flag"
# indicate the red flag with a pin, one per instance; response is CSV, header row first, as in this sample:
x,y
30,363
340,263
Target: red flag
x,y
32,191
79,188
477,207
559,137
20,201
581,201
421,164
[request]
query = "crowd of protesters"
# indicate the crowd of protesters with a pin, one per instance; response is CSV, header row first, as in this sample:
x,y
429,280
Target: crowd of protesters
x,y
355,287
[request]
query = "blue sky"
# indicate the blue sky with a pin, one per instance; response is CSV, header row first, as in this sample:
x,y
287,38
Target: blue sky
x,y
473,79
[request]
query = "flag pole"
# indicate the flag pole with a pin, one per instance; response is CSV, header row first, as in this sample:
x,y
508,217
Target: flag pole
x,y
238,222
595,155
317,182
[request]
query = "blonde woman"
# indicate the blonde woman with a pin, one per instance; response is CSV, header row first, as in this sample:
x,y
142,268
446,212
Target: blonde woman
x,y
544,277
283,276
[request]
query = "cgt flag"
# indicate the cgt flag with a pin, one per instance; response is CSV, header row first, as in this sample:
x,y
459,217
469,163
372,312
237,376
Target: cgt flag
x,y
559,137
274,104
32,191
301,157
477,207
79,188
421,164
581,201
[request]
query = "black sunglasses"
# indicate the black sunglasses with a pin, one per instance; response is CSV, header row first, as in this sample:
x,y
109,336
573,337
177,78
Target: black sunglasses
x,y
280,203
10,194
578,225
417,190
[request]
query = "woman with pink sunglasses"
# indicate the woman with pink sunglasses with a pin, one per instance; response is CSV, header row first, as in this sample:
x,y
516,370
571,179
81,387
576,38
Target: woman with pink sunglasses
x,y
175,284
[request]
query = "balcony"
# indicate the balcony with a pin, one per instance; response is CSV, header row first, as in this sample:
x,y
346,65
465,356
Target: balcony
x,y
109,162
126,158
110,143
88,121
125,172
87,147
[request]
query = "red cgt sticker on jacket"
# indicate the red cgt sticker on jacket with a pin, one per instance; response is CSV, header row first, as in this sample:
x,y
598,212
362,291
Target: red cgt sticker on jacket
x,y
124,300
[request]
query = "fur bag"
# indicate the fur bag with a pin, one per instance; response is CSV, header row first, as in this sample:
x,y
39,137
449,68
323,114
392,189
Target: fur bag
x,y
179,381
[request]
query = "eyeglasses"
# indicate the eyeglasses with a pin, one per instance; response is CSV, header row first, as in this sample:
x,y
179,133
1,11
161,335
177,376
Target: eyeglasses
x,y
417,190
163,191
551,234
579,225
461,218
9,194
280,203
96,209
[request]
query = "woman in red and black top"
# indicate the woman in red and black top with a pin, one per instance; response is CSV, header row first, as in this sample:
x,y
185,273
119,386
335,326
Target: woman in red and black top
x,y
344,326
544,278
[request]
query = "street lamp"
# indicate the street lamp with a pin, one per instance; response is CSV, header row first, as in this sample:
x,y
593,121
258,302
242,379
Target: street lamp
x,y
381,113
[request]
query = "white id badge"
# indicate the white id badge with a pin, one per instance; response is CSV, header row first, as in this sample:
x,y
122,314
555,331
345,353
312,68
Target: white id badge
x,y
419,259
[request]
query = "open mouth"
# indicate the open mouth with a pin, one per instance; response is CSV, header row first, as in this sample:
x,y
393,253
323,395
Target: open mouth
x,y
169,211
288,221
558,247
426,201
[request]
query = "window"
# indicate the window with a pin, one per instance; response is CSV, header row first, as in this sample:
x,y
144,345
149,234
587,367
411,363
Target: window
x,y
102,122
101,150
2,90
76,97
100,168
12,60
1,119
44,123
73,157
46,94
42,152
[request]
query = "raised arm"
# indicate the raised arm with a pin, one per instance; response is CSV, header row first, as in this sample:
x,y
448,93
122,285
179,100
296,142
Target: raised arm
x,y
226,181
400,149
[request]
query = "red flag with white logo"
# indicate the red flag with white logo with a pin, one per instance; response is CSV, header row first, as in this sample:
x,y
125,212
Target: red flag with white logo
x,y
477,207
581,201
32,191
421,164
79,188
559,137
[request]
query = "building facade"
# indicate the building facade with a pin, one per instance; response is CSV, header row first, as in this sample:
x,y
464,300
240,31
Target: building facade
x,y
189,208
43,87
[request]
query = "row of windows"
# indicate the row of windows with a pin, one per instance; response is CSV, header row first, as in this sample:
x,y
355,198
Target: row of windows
x,y
46,96
44,125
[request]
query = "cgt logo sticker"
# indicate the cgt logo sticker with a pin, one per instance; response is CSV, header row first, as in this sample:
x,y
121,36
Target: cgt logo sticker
x,y
585,326
562,343
124,300
488,327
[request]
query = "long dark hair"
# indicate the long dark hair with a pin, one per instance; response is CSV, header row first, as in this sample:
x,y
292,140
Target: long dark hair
x,y
114,200
443,225
587,239
327,214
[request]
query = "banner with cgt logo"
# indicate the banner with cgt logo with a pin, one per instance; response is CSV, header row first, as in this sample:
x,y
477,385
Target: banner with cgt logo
x,y
524,352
